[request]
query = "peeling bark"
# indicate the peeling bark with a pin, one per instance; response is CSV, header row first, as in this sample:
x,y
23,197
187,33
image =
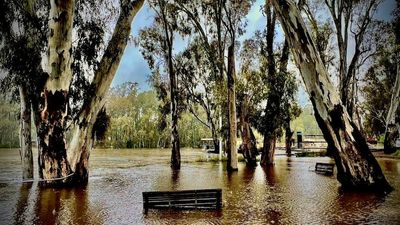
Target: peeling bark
x,y
248,146
79,149
392,128
356,166
54,101
54,160
25,134
232,163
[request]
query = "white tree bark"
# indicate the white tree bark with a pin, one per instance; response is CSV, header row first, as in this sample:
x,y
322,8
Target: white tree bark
x,y
60,45
54,102
81,144
356,166
392,128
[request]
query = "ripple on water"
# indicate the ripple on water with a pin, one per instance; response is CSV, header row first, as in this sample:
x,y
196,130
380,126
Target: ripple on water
x,y
287,193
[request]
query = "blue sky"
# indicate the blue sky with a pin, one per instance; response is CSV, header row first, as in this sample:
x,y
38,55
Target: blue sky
x,y
134,68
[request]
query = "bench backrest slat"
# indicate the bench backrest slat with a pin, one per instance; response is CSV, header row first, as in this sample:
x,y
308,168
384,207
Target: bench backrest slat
x,y
326,168
205,198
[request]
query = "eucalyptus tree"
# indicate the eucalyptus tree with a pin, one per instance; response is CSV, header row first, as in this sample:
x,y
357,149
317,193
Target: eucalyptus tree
x,y
203,21
356,166
276,78
251,92
393,123
199,82
353,21
52,93
157,43
23,29
234,23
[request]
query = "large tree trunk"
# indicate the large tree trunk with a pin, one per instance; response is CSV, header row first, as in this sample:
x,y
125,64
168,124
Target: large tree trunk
x,y
53,162
82,141
25,134
248,146
267,156
392,128
232,163
356,166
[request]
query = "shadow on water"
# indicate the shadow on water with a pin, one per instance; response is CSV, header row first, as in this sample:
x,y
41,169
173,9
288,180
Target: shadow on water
x,y
38,205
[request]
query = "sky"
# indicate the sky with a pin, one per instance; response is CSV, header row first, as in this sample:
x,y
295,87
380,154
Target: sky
x,y
134,68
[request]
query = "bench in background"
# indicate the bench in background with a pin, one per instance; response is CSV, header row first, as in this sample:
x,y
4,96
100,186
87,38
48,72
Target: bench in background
x,y
324,168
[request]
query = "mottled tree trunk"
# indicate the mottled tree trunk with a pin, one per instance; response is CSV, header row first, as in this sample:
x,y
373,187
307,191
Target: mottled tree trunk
x,y
392,127
232,163
53,162
248,147
56,164
82,141
25,134
356,166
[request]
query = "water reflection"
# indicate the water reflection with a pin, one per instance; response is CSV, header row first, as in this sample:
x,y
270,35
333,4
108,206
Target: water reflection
x,y
270,176
22,203
175,179
286,193
38,205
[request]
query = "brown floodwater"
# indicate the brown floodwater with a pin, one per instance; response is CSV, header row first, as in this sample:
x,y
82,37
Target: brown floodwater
x,y
288,193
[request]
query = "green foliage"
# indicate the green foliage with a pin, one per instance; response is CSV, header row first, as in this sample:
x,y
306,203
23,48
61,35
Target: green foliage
x,y
306,122
9,123
378,85
134,118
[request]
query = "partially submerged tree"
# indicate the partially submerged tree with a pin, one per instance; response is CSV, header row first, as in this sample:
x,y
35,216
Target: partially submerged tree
x,y
356,166
251,92
393,116
234,23
157,43
59,163
23,30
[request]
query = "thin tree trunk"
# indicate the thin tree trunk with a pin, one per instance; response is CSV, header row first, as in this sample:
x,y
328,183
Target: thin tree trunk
x,y
54,100
356,166
288,138
232,163
25,134
392,128
175,154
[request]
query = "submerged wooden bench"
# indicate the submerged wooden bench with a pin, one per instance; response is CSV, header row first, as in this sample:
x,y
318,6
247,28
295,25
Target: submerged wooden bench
x,y
324,168
187,199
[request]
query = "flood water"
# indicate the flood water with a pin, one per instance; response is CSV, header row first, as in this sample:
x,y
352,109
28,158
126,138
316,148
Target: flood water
x,y
288,193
